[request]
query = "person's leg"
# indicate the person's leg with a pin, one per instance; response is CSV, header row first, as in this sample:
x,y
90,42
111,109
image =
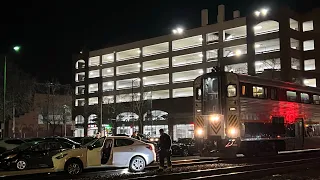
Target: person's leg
x,y
161,160
169,159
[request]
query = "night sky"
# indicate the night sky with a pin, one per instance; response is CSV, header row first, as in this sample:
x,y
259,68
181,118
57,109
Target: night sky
x,y
51,31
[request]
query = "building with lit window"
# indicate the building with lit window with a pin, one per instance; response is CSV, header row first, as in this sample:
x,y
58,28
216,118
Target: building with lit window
x,y
158,73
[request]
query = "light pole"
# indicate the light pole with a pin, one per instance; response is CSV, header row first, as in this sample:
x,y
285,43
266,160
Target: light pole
x,y
16,49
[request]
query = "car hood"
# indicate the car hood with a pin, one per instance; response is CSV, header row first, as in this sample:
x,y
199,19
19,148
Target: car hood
x,y
74,152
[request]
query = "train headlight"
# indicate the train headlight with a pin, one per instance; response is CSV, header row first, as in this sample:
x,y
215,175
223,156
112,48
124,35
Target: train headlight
x,y
199,132
214,117
232,131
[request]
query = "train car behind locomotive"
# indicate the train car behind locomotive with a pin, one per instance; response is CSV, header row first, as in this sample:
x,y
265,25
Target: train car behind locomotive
x,y
250,115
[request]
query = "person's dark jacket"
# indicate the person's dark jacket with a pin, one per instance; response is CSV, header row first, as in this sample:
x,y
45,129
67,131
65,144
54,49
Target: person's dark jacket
x,y
165,142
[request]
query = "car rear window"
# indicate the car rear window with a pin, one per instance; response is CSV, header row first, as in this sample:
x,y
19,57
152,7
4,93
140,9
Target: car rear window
x,y
123,142
14,141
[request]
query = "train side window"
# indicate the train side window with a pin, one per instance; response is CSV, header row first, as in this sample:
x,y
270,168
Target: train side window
x,y
316,99
258,92
232,90
291,96
273,94
305,98
243,90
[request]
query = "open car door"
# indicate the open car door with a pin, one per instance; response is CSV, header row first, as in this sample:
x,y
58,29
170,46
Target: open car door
x,y
107,153
94,153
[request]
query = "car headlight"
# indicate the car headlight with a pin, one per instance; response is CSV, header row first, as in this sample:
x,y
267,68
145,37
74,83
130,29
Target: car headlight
x,y
62,155
199,132
233,131
11,156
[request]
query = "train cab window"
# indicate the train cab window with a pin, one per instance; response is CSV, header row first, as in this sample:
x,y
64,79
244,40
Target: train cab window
x,y
199,93
273,94
232,90
258,92
291,96
305,98
316,99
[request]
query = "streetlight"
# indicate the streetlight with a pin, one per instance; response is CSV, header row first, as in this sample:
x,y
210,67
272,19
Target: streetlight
x,y
178,30
16,49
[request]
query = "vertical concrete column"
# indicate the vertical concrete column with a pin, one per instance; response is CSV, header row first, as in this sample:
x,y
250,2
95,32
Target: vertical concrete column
x,y
100,97
251,22
220,49
221,14
204,17
316,29
142,91
86,93
170,70
285,48
204,53
114,74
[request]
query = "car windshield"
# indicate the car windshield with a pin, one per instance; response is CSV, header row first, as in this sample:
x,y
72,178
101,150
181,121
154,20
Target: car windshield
x,y
91,142
25,146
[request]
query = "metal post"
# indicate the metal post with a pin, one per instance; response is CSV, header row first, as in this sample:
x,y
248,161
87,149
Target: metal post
x,y
4,95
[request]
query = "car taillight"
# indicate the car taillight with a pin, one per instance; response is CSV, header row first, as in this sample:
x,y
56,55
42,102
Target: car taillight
x,y
149,147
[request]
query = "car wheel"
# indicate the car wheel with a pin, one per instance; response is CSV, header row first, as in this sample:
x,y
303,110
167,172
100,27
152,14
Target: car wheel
x,y
21,164
185,152
74,167
137,164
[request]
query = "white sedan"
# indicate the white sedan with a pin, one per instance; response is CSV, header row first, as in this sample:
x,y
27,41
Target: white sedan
x,y
114,151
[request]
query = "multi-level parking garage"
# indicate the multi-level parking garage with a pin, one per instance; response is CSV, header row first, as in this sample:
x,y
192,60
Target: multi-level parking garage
x,y
147,84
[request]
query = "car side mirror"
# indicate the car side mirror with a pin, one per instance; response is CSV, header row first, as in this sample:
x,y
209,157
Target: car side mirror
x,y
90,147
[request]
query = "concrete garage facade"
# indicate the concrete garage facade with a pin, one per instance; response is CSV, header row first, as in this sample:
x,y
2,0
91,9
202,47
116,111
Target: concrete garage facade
x,y
147,85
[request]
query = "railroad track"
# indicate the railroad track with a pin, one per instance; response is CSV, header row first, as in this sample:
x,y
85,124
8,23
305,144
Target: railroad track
x,y
183,163
236,172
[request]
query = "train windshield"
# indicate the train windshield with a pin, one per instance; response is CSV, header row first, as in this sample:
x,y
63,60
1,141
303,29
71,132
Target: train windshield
x,y
211,95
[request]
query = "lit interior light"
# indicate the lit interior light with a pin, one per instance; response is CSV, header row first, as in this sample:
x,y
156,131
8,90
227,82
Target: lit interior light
x,y
238,52
198,110
109,83
80,52
138,94
306,81
91,73
139,51
108,70
229,37
144,78
91,86
258,63
201,55
257,45
257,27
109,57
139,65
201,39
201,71
264,11
257,13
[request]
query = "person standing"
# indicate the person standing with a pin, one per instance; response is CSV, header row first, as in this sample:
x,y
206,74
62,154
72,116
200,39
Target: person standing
x,y
164,150
135,135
